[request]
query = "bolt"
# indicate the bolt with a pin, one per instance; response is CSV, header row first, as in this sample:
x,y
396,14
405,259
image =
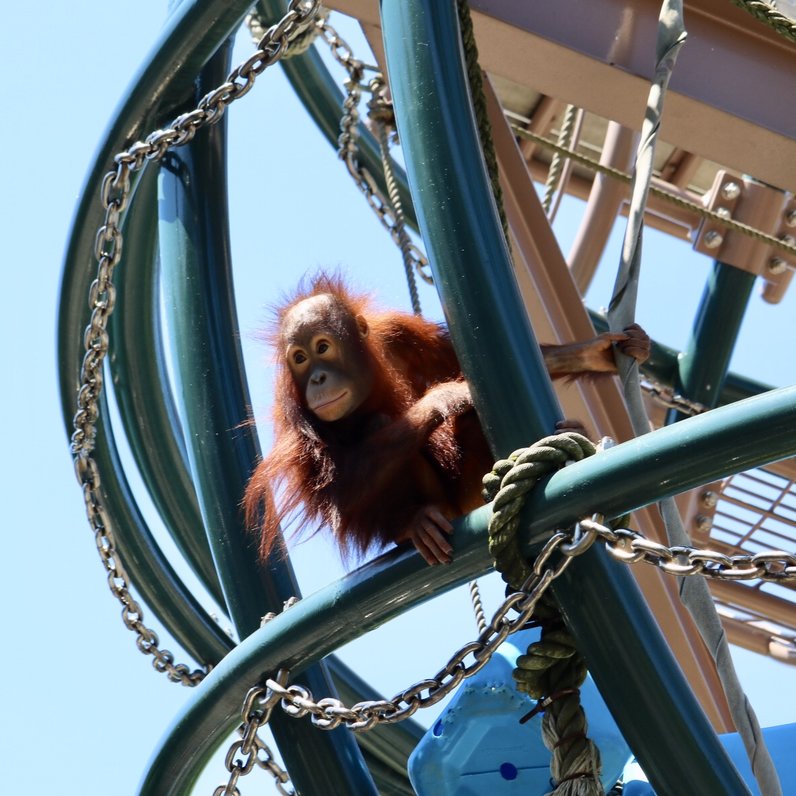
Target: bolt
x,y
789,239
790,217
703,523
713,239
709,499
776,266
724,212
730,190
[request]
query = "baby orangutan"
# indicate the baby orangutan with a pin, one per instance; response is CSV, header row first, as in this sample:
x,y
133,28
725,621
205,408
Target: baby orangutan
x,y
374,427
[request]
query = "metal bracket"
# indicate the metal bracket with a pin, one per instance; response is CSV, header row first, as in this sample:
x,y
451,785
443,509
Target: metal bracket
x,y
760,206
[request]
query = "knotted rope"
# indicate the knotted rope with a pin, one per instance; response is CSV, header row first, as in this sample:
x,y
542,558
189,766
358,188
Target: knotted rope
x,y
476,82
552,670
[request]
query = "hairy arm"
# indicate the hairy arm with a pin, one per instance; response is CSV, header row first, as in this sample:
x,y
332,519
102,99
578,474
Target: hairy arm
x,y
395,443
387,479
596,355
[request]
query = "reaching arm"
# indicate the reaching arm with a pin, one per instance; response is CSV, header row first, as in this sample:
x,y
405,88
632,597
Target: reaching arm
x,y
596,355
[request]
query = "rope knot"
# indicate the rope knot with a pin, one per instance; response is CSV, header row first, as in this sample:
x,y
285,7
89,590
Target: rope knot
x,y
507,486
552,670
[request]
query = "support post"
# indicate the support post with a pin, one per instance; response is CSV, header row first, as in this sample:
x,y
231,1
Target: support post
x,y
501,359
703,366
211,390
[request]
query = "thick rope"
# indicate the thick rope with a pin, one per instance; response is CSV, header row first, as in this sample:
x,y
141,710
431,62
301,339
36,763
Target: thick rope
x,y
678,201
403,240
557,162
506,487
552,670
476,81
768,15
694,592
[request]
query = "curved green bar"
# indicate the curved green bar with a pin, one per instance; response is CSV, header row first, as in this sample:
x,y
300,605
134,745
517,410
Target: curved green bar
x,y
155,581
191,35
212,397
702,367
149,570
158,93
501,360
632,474
143,393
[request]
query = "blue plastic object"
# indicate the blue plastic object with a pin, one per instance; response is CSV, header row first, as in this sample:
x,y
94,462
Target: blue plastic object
x,y
478,746
781,741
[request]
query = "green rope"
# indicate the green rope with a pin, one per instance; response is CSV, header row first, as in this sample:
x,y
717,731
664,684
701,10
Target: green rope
x,y
552,670
768,15
476,81
506,487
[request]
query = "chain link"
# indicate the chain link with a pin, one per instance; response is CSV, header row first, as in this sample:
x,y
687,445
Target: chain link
x,y
628,546
329,713
114,195
390,216
623,544
666,396
250,751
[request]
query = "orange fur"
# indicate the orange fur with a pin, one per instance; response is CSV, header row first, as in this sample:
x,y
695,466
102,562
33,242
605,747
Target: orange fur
x,y
335,474
414,442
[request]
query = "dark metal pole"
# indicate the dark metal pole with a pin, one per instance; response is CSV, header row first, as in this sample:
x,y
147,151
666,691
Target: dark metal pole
x,y
499,355
702,367
211,392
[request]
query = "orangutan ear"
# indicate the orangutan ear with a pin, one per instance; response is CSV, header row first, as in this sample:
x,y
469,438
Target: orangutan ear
x,y
362,325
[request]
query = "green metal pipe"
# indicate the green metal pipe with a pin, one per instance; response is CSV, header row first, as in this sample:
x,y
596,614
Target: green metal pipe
x,y
155,581
143,393
511,390
702,367
399,580
192,33
461,229
212,396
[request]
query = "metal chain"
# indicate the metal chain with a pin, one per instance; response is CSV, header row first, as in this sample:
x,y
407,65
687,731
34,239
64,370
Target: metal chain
x,y
115,194
623,544
629,547
244,754
390,216
329,713
666,396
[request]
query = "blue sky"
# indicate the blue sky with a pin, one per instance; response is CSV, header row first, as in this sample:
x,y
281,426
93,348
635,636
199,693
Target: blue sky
x,y
81,708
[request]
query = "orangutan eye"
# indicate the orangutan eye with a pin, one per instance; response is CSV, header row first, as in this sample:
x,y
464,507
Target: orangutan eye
x,y
322,347
299,357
